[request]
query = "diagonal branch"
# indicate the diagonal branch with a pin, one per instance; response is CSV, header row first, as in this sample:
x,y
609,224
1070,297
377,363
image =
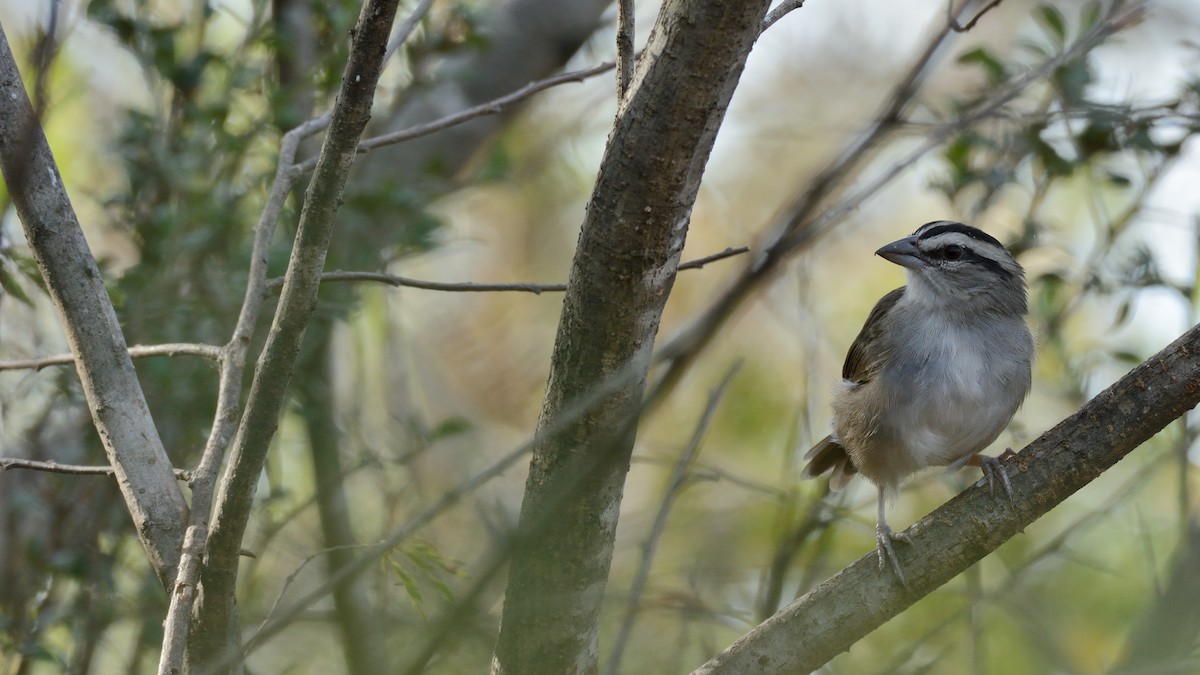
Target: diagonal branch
x,y
229,390
217,614
110,383
834,615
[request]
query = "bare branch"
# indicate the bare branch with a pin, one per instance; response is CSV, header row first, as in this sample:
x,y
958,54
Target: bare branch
x,y
137,352
7,463
701,262
784,8
114,395
233,367
268,391
493,107
952,20
406,28
455,287
472,287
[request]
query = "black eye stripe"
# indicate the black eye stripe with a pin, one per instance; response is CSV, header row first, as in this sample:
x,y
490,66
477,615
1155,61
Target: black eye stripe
x,y
966,255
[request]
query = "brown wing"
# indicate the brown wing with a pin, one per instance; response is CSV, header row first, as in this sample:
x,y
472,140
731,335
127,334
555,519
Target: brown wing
x,y
858,368
828,455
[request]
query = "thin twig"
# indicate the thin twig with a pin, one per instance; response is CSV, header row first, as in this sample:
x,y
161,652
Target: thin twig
x,y
701,262
137,351
493,107
952,21
625,28
781,11
406,28
679,478
472,287
454,287
7,463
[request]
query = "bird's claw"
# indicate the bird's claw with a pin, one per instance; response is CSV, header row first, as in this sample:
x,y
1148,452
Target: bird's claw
x,y
994,466
884,536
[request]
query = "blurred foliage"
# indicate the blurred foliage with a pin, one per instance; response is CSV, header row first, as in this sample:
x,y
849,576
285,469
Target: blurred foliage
x,y
195,166
1043,145
420,565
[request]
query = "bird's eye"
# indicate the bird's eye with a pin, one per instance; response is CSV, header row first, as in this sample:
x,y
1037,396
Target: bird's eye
x,y
953,252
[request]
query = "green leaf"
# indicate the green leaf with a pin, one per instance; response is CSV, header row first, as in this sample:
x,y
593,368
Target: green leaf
x,y
996,71
1054,163
1054,22
497,166
10,285
451,426
443,588
410,585
1096,137
1072,79
1089,15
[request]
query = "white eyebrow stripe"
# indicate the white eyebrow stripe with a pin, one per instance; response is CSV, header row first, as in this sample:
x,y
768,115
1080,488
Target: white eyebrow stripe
x,y
948,238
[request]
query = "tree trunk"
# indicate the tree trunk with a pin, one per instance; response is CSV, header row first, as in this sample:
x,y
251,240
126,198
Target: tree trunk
x,y
622,273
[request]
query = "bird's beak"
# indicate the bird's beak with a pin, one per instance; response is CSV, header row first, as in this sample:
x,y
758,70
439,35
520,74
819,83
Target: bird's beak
x,y
904,253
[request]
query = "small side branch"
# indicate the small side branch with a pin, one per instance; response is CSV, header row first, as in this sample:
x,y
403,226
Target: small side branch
x,y
781,11
472,287
493,107
211,352
701,262
7,463
955,26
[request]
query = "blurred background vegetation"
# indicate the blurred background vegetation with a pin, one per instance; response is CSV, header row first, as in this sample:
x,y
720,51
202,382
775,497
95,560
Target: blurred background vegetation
x,y
165,116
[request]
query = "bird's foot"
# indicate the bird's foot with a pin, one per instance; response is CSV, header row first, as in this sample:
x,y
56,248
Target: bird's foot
x,y
884,536
993,467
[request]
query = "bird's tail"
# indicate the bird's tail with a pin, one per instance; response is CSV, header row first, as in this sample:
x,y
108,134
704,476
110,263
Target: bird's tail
x,y
829,456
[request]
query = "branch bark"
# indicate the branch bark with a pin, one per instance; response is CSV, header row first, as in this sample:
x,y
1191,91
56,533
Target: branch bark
x,y
110,383
623,270
836,614
215,629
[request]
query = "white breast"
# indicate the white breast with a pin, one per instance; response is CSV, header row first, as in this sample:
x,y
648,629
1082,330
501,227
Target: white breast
x,y
963,384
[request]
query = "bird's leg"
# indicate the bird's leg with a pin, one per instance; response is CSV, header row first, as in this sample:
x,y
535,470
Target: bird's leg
x,y
992,467
884,538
